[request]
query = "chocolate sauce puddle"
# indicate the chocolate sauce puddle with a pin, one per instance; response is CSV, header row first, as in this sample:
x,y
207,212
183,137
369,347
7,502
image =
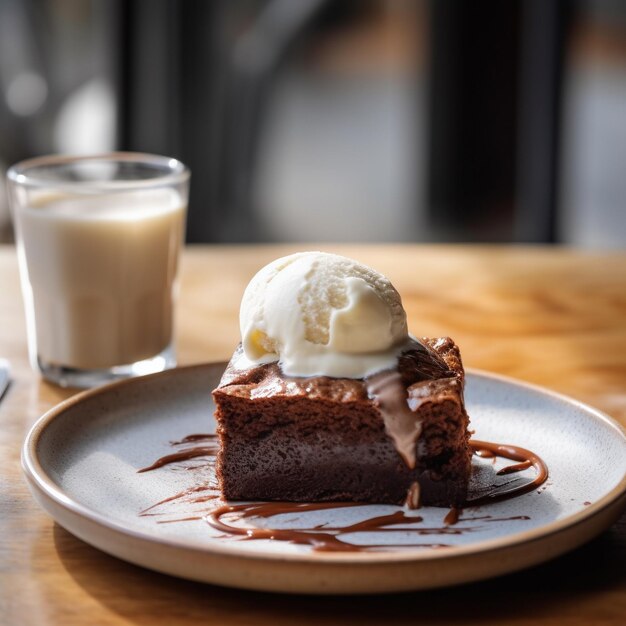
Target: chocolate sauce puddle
x,y
525,459
326,538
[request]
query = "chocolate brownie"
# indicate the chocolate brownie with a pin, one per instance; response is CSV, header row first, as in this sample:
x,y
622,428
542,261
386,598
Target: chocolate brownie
x,y
398,436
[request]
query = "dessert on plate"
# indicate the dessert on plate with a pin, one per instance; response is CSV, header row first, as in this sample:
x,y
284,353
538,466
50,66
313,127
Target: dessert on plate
x,y
328,397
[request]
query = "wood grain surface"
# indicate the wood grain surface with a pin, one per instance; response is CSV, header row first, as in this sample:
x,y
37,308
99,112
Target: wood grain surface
x,y
551,316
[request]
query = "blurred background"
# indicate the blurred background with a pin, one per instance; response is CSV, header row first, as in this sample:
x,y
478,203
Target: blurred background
x,y
338,120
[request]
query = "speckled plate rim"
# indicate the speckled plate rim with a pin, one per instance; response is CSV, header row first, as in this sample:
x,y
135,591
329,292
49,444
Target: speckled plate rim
x,y
503,553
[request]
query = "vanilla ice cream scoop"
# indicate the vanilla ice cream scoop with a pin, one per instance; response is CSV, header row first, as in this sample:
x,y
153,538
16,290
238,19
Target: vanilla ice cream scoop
x,y
322,314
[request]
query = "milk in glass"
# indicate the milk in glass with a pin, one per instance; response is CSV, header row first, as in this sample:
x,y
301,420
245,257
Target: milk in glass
x,y
101,270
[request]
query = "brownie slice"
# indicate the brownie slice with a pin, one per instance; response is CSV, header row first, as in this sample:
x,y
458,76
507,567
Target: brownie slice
x,y
339,439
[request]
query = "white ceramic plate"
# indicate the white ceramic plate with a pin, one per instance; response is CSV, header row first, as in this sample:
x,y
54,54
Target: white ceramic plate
x,y
81,462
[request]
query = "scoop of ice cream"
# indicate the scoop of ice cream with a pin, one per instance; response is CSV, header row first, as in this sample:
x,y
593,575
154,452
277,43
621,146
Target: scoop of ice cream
x,y
322,314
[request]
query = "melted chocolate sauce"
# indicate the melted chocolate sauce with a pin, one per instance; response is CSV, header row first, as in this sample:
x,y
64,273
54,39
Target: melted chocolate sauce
x,y
321,538
183,455
318,539
390,397
197,494
327,538
194,438
510,469
452,516
388,391
185,495
192,518
526,459
188,453
413,496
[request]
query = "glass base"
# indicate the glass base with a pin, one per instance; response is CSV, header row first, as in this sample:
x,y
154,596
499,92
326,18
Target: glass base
x,y
86,378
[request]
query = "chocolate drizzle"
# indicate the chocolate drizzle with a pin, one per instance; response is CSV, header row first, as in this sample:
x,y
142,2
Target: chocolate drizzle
x,y
189,495
194,438
188,453
526,459
390,397
388,391
413,496
452,517
227,518
321,538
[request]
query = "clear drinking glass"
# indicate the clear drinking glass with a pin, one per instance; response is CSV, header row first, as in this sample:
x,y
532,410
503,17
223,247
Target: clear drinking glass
x,y
98,241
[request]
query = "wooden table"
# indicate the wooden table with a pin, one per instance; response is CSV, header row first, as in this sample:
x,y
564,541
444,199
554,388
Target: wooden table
x,y
551,316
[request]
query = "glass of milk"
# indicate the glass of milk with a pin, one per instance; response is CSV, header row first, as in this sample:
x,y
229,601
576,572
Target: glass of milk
x,y
98,240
